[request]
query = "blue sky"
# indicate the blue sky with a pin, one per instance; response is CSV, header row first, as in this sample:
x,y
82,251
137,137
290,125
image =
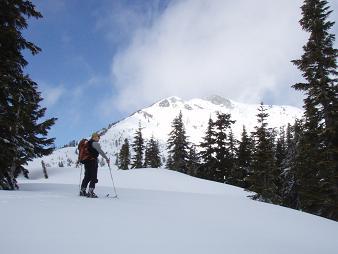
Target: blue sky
x,y
78,41
102,60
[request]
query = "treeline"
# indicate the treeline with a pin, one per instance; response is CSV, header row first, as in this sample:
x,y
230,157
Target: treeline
x,y
266,161
146,154
296,167
262,161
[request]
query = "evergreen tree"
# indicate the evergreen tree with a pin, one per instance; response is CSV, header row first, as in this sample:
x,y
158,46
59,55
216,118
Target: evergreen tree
x,y
264,176
178,145
244,158
232,144
22,133
207,154
224,160
193,162
289,139
281,159
281,149
290,182
305,167
320,137
124,156
152,154
287,176
169,163
147,155
138,147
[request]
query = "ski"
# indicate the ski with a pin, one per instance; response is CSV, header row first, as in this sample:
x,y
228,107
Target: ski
x,y
105,196
108,196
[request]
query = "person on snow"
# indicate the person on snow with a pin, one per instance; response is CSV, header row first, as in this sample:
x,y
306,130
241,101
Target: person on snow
x,y
91,166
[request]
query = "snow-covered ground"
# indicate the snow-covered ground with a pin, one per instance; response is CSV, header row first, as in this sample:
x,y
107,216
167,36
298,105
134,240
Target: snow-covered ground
x,y
158,211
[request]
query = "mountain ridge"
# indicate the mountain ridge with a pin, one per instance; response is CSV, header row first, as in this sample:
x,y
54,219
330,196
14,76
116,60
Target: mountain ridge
x,y
156,121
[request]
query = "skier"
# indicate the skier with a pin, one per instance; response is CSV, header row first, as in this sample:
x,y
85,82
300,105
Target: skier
x,y
91,166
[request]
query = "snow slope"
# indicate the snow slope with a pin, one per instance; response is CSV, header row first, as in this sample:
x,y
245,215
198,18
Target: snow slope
x,y
158,211
156,120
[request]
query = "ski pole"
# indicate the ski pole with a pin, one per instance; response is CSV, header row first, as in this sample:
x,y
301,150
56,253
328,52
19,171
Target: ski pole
x,y
112,179
80,178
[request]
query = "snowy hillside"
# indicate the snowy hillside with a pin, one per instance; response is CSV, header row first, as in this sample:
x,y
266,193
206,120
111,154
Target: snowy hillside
x,y
156,120
158,211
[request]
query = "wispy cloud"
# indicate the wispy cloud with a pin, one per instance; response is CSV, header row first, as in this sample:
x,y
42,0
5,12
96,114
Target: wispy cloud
x,y
239,49
122,19
51,94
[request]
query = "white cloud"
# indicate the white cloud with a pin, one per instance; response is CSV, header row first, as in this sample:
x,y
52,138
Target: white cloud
x,y
52,94
239,49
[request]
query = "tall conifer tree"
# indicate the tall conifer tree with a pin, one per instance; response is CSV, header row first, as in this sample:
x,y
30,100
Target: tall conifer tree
x,y
124,156
244,158
291,177
264,176
224,160
207,154
138,148
318,65
281,149
152,154
178,145
193,162
22,133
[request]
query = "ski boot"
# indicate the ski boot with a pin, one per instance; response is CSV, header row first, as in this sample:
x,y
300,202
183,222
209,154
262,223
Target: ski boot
x,y
83,192
91,193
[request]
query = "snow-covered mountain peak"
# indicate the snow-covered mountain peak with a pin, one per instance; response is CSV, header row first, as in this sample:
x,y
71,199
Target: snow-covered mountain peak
x,y
196,103
219,100
172,101
156,121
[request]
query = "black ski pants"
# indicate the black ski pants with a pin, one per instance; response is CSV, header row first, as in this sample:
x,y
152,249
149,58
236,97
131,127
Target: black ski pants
x,y
90,176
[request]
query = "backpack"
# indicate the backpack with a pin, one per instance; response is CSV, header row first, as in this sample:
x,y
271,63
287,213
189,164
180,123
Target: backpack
x,y
84,153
